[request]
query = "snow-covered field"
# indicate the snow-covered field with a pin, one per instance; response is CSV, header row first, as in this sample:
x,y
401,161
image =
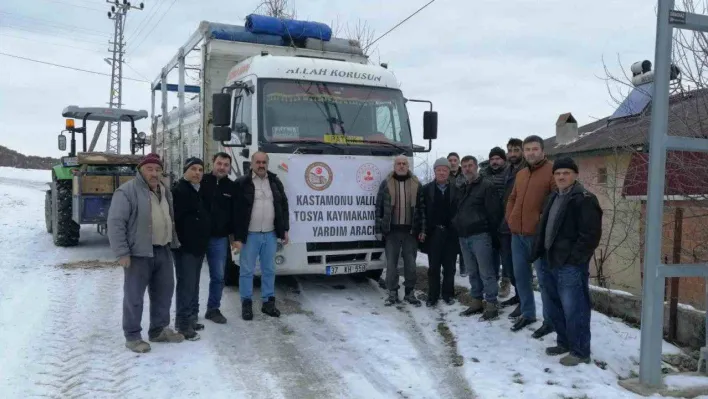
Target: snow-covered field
x,y
62,335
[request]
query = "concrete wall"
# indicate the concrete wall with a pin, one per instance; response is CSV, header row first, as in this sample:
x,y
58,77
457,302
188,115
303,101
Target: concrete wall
x,y
690,329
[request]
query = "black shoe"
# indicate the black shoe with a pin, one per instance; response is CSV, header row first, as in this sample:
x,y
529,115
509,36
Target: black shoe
x,y
189,334
522,322
410,298
510,302
247,309
556,350
449,301
392,298
544,330
269,308
516,313
431,303
198,326
215,316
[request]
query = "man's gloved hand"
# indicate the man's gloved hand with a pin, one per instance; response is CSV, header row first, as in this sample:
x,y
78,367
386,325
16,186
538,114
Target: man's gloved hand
x,y
496,244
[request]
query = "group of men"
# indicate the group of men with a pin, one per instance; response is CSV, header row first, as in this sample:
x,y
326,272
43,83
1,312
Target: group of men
x,y
523,212
159,233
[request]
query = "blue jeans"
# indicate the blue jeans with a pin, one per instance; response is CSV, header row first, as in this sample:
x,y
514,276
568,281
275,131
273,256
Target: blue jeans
x,y
521,248
263,247
567,297
478,254
216,257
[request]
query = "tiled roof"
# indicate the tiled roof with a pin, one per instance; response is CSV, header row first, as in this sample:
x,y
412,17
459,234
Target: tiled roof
x,y
688,116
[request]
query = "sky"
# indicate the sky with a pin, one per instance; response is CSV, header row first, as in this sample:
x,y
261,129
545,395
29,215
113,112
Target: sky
x,y
492,69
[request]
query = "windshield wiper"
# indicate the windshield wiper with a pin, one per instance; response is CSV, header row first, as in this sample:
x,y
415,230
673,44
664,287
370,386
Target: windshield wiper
x,y
306,141
402,149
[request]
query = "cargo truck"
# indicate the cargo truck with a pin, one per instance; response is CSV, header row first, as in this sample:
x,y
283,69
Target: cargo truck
x,y
330,121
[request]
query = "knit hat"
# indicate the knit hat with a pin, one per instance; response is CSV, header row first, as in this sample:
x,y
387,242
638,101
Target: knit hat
x,y
497,151
150,158
441,162
565,163
192,161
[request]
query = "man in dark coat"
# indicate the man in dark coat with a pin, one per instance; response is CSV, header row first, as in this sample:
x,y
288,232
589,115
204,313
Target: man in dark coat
x,y
569,232
400,223
262,218
457,178
441,244
193,224
219,190
495,172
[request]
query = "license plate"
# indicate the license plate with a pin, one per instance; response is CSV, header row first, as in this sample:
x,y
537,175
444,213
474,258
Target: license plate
x,y
345,269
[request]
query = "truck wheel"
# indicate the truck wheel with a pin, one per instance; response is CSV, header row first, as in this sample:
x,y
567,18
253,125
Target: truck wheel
x,y
374,274
232,271
48,210
64,230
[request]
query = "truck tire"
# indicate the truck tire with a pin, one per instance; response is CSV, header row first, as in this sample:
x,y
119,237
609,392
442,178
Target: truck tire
x,y
48,210
231,272
374,274
64,230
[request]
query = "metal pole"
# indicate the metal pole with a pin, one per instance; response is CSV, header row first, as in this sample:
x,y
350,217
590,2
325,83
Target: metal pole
x,y
180,106
653,286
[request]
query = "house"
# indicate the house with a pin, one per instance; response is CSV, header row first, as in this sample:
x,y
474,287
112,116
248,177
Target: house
x,y
612,155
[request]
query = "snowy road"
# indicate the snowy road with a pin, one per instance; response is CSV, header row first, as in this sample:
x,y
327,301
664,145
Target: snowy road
x,y
62,336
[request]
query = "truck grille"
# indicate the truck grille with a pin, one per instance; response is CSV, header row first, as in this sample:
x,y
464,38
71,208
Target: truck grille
x,y
337,246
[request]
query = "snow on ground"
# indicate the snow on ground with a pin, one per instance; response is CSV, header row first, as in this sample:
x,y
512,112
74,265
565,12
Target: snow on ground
x,y
62,335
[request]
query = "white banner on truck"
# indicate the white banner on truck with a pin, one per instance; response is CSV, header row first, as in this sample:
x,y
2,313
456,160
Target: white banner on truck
x,y
333,198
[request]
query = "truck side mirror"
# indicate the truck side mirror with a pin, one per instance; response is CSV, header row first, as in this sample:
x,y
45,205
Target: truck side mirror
x,y
62,142
430,125
221,108
221,133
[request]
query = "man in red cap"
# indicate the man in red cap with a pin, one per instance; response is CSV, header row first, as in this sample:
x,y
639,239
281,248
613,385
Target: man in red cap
x,y
141,232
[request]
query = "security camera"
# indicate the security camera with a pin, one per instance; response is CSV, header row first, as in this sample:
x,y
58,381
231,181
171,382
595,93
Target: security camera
x,y
640,67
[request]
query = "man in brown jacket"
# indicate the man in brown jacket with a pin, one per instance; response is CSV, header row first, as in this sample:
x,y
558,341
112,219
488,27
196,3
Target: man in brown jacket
x,y
523,212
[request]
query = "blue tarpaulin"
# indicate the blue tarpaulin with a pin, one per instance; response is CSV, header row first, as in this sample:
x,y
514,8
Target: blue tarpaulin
x,y
235,33
288,28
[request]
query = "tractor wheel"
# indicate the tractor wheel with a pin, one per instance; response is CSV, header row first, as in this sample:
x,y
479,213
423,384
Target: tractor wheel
x,y
48,210
231,272
64,230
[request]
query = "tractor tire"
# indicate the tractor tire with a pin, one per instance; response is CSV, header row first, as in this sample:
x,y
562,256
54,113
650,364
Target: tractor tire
x,y
64,230
48,210
231,272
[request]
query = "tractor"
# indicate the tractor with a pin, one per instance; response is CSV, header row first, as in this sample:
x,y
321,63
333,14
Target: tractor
x,y
83,184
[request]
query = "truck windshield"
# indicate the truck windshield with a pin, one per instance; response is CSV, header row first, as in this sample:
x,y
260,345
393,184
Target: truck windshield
x,y
332,113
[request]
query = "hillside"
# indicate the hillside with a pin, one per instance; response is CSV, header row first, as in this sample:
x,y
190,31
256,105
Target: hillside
x,y
14,159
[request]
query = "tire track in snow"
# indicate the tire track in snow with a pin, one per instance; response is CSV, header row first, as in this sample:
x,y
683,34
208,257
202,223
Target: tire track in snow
x,y
83,357
268,344
372,368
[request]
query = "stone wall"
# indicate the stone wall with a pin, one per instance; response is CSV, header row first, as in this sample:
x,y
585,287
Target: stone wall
x,y
690,330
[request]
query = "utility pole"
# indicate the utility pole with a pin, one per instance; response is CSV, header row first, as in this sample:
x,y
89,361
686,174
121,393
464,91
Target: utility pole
x,y
118,14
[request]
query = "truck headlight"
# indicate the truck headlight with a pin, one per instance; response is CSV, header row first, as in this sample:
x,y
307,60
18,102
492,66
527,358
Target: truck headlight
x,y
279,247
279,260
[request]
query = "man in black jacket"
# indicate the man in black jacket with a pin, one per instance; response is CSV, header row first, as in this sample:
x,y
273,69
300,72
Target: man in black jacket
x,y
569,232
476,222
495,172
219,191
192,224
515,162
457,179
262,217
441,243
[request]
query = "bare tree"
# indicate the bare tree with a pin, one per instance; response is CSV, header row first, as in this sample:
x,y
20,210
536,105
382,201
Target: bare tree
x,y
277,8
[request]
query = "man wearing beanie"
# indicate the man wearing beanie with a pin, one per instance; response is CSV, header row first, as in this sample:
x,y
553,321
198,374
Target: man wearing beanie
x,y
495,172
568,234
141,232
441,243
192,222
523,211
